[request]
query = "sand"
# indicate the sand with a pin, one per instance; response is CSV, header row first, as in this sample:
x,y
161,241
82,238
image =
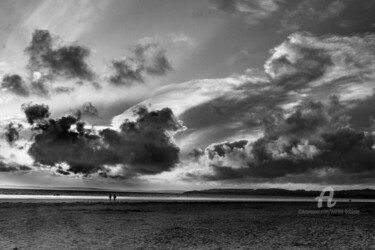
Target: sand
x,y
94,225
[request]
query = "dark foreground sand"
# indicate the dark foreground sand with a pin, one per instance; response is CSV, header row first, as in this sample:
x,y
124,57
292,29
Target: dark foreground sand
x,y
182,226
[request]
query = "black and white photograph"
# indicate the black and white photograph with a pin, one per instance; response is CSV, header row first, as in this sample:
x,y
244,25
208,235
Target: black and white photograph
x,y
187,124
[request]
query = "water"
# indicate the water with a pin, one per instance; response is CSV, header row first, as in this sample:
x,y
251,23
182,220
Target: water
x,y
156,198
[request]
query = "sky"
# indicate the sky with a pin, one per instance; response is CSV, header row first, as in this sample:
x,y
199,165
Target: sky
x,y
183,95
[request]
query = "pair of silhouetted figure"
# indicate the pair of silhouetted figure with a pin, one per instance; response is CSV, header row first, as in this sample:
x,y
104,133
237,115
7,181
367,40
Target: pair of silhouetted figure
x,y
114,197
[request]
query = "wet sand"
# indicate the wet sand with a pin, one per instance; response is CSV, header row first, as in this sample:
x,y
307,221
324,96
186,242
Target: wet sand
x,y
187,225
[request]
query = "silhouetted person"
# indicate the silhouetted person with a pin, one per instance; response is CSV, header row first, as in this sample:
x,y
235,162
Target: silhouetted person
x,y
110,197
114,197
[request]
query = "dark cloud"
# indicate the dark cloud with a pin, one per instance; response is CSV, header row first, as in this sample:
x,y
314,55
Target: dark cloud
x,y
15,84
89,110
57,143
360,111
86,110
68,62
40,45
339,17
125,73
143,146
306,121
196,153
60,90
96,85
35,112
12,167
307,64
265,170
220,149
145,59
48,63
12,132
40,88
61,171
319,16
306,142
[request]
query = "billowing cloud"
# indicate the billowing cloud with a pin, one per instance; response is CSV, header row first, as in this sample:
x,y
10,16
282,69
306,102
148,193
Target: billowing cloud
x,y
11,133
35,112
86,110
306,62
68,62
48,64
297,62
141,147
15,84
56,143
306,120
305,142
146,58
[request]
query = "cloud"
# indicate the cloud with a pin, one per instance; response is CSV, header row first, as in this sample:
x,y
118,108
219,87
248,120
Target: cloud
x,y
222,148
48,64
12,167
318,16
40,87
57,144
182,38
67,62
308,63
141,147
339,17
87,110
146,58
145,145
61,90
15,84
306,120
12,132
35,112
305,143
297,59
61,75
252,12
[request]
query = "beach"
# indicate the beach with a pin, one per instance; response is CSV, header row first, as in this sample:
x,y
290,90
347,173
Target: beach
x,y
184,225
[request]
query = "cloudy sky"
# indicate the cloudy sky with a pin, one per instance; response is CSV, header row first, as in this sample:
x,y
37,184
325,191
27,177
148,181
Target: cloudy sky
x,y
179,95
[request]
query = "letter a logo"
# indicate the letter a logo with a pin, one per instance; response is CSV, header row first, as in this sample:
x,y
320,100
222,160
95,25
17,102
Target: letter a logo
x,y
322,197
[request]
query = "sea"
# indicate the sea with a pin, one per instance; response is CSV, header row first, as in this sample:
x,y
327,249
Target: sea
x,y
55,196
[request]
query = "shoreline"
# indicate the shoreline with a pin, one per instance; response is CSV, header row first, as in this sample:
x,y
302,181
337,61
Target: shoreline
x,y
122,199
